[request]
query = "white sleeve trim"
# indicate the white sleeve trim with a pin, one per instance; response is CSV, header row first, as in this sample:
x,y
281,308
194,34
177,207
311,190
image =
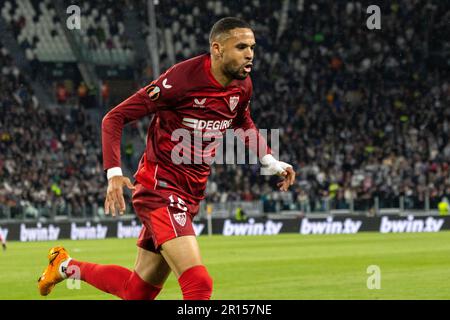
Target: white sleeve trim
x,y
112,172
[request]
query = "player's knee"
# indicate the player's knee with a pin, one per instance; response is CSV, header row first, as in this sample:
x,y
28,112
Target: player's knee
x,y
196,284
206,282
138,289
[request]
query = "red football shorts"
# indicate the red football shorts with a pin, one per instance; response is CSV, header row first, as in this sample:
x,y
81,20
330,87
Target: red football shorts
x,y
164,216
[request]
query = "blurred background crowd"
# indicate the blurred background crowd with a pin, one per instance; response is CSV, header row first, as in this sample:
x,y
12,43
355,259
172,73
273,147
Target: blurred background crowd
x,y
363,114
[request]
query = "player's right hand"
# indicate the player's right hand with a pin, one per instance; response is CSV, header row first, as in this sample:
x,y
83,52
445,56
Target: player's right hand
x,y
114,194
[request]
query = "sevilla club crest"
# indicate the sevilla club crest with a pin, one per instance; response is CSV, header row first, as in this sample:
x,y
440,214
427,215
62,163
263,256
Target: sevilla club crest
x,y
234,102
180,218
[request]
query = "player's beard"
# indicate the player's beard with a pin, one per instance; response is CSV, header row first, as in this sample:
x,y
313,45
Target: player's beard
x,y
235,73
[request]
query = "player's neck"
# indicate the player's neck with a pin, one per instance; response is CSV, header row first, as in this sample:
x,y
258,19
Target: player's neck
x,y
218,74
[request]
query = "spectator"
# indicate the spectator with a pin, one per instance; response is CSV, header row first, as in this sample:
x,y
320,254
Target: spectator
x,y
82,94
61,94
105,94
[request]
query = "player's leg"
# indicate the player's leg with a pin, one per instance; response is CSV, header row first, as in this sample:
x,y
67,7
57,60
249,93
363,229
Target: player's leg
x,y
117,280
151,267
169,228
152,270
144,283
3,241
183,256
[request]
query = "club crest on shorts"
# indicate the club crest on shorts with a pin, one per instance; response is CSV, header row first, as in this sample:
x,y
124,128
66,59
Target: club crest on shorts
x,y
234,102
180,218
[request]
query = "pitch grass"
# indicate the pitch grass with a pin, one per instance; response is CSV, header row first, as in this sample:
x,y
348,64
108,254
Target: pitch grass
x,y
288,266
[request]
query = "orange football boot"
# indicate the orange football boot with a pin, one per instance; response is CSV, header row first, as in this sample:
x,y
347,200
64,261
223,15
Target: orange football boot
x,y
51,275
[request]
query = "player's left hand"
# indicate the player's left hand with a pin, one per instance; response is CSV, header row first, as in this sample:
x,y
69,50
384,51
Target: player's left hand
x,y
283,169
289,178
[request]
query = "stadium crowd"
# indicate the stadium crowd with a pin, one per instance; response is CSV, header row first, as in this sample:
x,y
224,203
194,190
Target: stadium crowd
x,y
50,159
362,113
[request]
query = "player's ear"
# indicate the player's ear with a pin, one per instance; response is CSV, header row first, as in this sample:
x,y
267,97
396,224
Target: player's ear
x,y
216,49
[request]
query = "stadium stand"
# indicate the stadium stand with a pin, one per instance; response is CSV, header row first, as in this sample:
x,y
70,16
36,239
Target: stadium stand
x,y
351,101
49,158
103,31
38,29
362,115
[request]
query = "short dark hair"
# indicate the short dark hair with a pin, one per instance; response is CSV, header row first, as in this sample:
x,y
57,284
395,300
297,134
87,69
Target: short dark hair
x,y
224,25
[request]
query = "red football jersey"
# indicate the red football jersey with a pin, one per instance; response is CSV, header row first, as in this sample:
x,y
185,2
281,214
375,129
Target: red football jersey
x,y
186,96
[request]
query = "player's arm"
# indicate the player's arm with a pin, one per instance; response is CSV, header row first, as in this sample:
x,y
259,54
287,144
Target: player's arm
x,y
271,165
135,107
148,100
